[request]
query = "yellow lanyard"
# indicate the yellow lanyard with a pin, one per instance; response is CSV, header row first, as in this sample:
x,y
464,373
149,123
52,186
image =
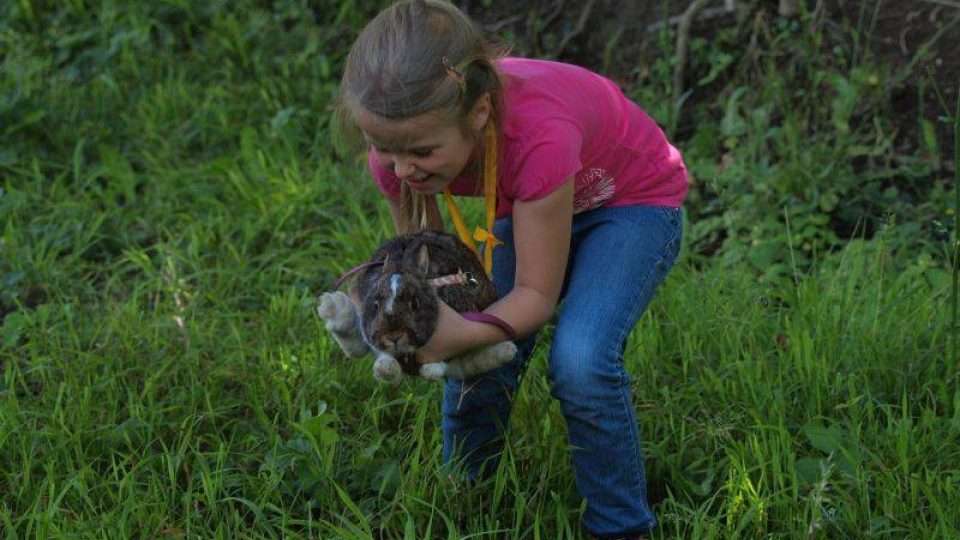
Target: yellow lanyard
x,y
490,194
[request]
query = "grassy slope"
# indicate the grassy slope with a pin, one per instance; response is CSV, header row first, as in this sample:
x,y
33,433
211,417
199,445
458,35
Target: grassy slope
x,y
170,207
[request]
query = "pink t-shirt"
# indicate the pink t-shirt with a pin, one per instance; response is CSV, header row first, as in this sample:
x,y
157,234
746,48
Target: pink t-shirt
x,y
565,121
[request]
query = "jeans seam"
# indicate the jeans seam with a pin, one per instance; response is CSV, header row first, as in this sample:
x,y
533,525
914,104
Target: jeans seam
x,y
625,402
660,270
638,479
625,329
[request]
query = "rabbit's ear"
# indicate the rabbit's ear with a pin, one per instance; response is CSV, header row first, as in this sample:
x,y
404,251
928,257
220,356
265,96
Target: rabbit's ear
x,y
423,260
449,241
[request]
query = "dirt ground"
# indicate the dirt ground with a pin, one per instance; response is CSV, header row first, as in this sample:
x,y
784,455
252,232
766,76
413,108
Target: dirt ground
x,y
921,37
903,29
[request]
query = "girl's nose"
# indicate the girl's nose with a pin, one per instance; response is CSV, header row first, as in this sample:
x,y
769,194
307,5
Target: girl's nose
x,y
402,167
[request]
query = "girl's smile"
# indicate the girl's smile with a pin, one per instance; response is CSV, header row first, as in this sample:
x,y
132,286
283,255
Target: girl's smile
x,y
421,184
426,152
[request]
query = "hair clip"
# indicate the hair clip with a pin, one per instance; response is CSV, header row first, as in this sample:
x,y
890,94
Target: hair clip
x,y
455,74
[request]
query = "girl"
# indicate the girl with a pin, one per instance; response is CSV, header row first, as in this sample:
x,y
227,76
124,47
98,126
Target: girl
x,y
587,201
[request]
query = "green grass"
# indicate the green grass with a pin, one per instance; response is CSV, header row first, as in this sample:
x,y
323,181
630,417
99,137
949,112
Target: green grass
x,y
170,208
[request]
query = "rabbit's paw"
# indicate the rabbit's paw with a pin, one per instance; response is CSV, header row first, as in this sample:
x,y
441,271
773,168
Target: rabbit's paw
x,y
339,313
501,353
434,371
341,321
387,369
491,357
480,360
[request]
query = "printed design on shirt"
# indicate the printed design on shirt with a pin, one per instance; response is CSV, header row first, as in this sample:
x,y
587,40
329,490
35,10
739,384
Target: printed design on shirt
x,y
592,187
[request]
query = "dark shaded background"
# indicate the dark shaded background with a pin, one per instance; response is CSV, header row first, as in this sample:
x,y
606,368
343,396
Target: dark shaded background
x,y
893,32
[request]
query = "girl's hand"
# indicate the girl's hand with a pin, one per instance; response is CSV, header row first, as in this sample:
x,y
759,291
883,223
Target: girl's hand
x,y
455,335
444,344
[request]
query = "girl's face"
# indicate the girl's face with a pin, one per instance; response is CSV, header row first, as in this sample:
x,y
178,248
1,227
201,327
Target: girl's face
x,y
426,152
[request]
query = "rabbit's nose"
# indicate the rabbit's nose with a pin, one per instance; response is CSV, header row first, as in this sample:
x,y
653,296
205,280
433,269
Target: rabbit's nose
x,y
394,341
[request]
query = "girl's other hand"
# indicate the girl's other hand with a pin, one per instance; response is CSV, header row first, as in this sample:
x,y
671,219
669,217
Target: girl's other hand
x,y
444,342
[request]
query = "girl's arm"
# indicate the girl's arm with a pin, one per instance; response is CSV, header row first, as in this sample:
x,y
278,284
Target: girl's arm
x,y
541,236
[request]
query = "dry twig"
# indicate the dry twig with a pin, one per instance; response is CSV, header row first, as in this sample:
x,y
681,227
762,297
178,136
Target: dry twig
x,y
787,8
707,13
947,3
581,24
683,36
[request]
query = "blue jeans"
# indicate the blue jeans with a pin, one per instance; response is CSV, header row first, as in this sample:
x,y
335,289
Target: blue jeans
x,y
618,257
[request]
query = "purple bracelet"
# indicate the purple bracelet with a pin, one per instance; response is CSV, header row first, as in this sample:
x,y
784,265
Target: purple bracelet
x,y
479,316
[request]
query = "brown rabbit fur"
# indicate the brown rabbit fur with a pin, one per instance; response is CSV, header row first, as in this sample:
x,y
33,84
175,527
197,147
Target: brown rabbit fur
x,y
399,307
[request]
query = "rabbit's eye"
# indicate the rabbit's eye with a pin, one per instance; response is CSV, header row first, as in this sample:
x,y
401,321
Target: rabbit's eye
x,y
416,303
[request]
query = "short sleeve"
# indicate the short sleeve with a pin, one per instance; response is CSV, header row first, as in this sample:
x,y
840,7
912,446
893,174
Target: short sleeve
x,y
386,181
550,156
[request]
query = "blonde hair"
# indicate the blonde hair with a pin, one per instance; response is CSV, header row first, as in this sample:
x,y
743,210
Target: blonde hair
x,y
414,57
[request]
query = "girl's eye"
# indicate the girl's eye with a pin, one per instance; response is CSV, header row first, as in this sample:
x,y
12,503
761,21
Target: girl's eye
x,y
421,153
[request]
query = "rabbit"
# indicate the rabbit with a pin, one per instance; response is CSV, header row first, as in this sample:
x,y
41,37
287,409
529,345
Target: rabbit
x,y
398,307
